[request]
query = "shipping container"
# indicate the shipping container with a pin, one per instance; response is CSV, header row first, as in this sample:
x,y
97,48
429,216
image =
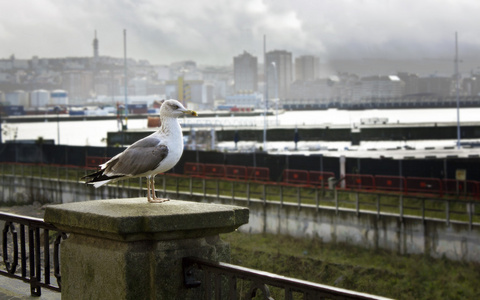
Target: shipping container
x,y
12,110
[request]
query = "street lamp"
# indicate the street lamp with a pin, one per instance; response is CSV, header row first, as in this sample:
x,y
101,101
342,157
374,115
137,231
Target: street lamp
x,y
265,66
457,75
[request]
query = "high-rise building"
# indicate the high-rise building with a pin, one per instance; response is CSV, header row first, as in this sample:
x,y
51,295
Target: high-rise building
x,y
245,73
411,83
381,87
279,73
307,67
439,86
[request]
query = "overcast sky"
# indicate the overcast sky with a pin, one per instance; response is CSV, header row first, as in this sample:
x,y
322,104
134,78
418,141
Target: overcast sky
x,y
213,31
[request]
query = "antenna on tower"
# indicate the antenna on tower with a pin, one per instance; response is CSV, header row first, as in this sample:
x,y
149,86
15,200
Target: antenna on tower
x,y
95,46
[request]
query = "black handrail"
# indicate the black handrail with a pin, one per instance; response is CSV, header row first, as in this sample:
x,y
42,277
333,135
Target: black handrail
x,y
213,272
39,242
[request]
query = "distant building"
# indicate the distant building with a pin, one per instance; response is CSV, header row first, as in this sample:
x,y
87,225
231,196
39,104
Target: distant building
x,y
411,83
186,69
12,63
381,87
322,90
439,86
252,100
78,84
162,72
279,73
307,67
220,78
245,73
138,86
471,86
195,92
5,77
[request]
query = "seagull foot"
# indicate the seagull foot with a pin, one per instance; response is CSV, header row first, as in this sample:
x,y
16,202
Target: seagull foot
x,y
158,200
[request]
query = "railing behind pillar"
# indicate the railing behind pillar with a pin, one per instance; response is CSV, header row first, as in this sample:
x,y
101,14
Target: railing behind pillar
x,y
30,251
222,281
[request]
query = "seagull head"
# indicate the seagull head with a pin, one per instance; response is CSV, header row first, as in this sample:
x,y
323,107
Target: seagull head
x,y
173,108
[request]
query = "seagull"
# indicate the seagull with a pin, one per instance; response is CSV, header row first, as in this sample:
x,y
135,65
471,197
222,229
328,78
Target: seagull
x,y
147,157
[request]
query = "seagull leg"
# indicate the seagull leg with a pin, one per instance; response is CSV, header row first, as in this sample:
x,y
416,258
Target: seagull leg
x,y
148,190
154,194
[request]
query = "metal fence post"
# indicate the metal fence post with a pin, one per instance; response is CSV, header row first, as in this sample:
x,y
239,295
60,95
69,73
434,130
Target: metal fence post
x,y
299,200
378,206
471,207
447,212
281,195
401,207
423,210
264,194
335,193
248,193
357,206
191,185
204,187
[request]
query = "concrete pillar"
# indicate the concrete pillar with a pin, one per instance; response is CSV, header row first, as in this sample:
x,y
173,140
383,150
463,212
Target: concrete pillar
x,y
132,249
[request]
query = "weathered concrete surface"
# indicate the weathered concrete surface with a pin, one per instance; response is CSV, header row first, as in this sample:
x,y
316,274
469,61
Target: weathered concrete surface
x,y
132,249
135,219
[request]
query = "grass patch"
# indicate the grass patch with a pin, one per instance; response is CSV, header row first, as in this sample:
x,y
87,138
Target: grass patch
x,y
376,272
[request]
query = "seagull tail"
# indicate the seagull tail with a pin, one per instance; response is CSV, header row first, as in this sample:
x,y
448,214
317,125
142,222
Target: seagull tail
x,y
99,183
98,179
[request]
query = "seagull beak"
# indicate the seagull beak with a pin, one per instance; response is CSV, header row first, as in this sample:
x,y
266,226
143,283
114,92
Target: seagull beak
x,y
190,112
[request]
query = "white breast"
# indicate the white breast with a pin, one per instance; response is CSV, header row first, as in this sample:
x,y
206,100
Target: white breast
x,y
172,137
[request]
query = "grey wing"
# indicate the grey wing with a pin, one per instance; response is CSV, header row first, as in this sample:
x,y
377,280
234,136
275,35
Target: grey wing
x,y
143,156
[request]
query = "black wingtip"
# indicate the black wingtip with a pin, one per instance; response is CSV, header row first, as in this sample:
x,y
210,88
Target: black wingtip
x,y
98,176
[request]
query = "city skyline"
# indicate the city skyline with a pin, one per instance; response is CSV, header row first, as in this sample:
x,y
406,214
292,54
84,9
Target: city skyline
x,y
215,31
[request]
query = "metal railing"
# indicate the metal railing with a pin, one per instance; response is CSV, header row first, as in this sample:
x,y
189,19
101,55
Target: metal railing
x,y
380,202
223,281
355,201
30,251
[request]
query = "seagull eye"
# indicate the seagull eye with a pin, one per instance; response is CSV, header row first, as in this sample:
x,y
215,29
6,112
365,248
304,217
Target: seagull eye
x,y
174,106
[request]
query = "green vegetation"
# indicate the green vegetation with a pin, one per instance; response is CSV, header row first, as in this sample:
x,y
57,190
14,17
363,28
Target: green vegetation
x,y
376,272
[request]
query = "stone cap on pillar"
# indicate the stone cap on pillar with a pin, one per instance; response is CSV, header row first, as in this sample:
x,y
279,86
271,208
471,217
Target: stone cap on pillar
x,y
134,219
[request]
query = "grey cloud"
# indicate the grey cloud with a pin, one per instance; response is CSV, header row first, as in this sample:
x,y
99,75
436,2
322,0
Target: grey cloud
x,y
212,32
